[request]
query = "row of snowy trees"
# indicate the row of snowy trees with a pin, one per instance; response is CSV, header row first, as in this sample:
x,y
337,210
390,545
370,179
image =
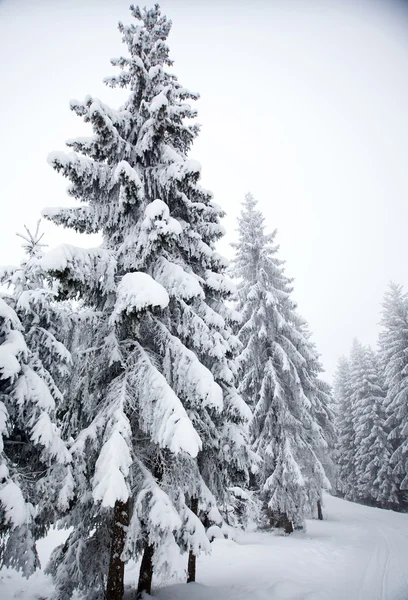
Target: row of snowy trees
x,y
371,399
120,419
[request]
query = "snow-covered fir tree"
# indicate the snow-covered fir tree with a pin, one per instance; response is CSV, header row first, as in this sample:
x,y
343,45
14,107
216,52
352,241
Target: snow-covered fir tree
x,y
349,423
34,298
162,429
36,481
357,392
373,449
394,359
364,451
344,425
279,372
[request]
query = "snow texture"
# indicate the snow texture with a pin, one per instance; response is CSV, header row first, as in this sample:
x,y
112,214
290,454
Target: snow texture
x,y
139,291
357,552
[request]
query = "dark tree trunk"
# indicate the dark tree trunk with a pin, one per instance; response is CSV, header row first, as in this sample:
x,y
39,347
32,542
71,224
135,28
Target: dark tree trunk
x,y
319,511
192,559
115,586
252,481
288,527
146,571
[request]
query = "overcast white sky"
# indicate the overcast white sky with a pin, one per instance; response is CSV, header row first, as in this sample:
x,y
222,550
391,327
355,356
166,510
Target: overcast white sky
x,y
302,102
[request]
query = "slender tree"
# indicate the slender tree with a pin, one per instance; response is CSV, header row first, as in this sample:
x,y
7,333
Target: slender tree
x,y
364,450
373,467
279,376
358,391
161,430
36,481
394,358
344,425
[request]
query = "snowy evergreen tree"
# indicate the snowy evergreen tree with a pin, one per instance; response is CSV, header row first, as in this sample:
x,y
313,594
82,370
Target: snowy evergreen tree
x,y
357,394
364,451
320,394
373,470
394,358
162,430
36,481
344,425
279,376
46,323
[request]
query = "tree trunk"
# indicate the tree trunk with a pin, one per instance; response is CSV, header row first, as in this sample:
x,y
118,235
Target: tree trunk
x,y
192,559
288,528
115,586
146,571
319,511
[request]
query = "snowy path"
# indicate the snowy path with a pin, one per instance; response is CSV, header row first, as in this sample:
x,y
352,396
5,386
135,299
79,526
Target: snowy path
x,y
357,553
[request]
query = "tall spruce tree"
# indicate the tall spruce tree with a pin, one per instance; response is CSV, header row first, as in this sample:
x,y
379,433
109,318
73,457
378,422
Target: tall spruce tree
x,y
162,430
374,476
364,451
357,394
279,376
36,481
344,425
394,358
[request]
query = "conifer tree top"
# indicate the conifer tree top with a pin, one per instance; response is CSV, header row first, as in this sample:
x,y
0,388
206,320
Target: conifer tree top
x,y
32,240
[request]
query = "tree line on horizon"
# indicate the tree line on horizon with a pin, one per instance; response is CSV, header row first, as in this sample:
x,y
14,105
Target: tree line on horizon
x,y
371,408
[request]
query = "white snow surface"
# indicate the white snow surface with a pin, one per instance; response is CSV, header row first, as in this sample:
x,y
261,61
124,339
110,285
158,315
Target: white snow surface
x,y
137,291
16,510
356,553
157,216
176,280
124,168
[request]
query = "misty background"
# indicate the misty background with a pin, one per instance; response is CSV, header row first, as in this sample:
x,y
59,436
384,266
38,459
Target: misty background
x,y
303,103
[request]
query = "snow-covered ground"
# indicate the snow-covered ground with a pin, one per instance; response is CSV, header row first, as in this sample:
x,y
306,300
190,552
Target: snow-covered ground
x,y
357,553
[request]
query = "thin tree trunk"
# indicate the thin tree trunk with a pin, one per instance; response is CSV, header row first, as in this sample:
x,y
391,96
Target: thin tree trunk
x,y
115,586
319,511
192,559
146,571
288,528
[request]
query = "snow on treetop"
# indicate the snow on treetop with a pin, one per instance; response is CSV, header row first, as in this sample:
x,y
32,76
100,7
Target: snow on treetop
x,y
162,515
157,215
84,264
124,168
16,509
159,101
46,433
154,71
74,102
10,350
8,314
192,166
138,291
4,416
219,282
62,158
4,472
157,209
169,155
112,468
30,387
176,280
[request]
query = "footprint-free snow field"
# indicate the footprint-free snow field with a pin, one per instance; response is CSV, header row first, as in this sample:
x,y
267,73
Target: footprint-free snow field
x,y
356,553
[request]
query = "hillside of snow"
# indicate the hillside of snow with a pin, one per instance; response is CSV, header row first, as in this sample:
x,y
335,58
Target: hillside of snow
x,y
356,553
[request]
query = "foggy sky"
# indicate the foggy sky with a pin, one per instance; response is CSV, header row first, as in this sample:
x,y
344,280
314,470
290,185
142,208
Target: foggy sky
x,y
304,103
